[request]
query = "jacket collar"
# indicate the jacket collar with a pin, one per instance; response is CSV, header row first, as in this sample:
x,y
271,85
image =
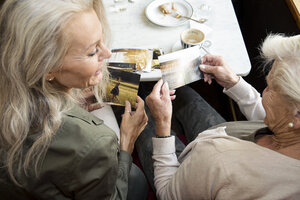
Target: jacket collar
x,y
78,112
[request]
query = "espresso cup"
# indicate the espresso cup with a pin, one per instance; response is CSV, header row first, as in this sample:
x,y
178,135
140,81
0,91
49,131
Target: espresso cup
x,y
191,37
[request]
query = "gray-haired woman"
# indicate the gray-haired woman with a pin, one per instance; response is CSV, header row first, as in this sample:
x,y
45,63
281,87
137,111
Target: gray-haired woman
x,y
50,147
218,166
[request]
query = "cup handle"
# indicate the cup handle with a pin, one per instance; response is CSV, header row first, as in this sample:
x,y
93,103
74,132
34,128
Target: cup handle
x,y
206,43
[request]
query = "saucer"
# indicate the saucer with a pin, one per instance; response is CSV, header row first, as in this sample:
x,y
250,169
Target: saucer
x,y
177,46
205,45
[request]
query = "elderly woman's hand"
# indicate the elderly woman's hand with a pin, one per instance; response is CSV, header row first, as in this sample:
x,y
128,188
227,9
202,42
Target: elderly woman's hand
x,y
160,105
133,123
215,66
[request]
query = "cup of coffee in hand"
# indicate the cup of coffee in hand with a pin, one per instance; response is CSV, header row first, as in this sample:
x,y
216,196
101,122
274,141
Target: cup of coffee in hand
x,y
191,37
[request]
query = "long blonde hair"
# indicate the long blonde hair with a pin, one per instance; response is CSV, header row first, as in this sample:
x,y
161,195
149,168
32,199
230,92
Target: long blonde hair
x,y
32,42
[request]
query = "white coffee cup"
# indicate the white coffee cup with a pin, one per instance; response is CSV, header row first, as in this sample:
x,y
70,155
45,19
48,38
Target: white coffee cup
x,y
191,37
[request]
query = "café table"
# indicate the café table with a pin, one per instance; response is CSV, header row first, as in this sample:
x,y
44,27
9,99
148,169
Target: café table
x,y
130,28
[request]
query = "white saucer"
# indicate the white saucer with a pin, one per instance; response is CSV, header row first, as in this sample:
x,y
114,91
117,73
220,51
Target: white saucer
x,y
153,13
177,46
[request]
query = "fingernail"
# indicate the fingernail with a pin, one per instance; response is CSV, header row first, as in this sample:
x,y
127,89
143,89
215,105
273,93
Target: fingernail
x,y
202,66
166,84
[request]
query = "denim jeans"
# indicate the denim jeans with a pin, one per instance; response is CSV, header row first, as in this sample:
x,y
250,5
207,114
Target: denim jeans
x,y
191,115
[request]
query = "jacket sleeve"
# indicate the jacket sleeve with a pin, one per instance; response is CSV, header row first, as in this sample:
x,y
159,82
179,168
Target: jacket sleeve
x,y
124,167
165,166
103,172
248,100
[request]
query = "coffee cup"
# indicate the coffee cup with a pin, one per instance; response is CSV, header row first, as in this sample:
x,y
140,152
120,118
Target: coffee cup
x,y
191,37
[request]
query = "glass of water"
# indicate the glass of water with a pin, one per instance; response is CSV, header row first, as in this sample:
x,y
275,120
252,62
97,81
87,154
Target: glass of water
x,y
203,12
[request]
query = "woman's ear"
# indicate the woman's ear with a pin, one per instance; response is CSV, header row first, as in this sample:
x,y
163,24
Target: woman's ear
x,y
50,76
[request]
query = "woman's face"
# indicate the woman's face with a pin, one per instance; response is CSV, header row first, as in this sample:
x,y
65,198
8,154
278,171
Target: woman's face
x,y
277,110
82,65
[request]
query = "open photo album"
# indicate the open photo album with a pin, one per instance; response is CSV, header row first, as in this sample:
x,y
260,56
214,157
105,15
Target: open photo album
x,y
181,67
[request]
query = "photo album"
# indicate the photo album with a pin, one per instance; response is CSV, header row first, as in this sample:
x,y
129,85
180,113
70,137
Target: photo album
x,y
181,67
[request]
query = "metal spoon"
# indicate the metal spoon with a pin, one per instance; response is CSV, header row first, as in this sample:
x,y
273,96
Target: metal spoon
x,y
202,20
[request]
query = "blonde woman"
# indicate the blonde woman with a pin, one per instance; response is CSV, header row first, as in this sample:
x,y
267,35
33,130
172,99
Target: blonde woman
x,y
218,166
50,147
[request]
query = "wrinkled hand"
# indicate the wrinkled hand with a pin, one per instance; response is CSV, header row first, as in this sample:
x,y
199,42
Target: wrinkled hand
x,y
89,102
133,123
216,67
160,105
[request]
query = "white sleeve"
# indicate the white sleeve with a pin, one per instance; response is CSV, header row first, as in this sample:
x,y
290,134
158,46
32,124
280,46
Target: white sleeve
x,y
248,100
165,165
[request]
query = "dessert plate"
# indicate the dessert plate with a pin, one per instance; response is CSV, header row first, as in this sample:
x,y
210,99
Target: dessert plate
x,y
154,14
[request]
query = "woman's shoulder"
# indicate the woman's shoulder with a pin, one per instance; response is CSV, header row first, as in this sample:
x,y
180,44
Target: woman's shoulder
x,y
81,133
80,121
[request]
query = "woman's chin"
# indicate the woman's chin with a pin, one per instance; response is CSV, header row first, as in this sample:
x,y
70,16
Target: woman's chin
x,y
95,81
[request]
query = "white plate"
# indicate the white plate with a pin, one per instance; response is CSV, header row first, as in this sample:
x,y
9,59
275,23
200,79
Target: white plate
x,y
157,17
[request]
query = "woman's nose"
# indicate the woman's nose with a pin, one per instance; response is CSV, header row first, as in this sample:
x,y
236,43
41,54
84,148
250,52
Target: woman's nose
x,y
106,52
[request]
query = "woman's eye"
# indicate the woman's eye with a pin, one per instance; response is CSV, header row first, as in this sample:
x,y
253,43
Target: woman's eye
x,y
94,53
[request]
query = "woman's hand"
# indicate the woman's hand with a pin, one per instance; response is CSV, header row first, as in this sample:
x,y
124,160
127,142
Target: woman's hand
x,y
160,105
133,123
89,100
215,66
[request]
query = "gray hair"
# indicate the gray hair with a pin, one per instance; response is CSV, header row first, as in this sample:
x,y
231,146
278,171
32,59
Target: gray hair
x,y
33,43
284,52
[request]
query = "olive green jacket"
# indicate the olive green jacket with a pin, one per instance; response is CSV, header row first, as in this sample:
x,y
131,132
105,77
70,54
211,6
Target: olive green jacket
x,y
82,162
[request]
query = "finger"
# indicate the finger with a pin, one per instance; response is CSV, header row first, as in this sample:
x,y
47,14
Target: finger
x,y
172,92
157,87
209,81
140,104
203,59
165,90
208,58
208,69
127,108
172,97
203,67
206,77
